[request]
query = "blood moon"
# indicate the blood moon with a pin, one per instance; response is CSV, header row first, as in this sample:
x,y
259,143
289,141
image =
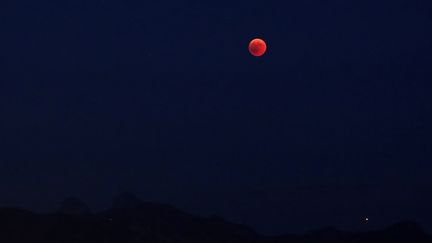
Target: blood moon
x,y
257,47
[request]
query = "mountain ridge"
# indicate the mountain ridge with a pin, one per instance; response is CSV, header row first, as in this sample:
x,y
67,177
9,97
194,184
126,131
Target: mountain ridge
x,y
132,220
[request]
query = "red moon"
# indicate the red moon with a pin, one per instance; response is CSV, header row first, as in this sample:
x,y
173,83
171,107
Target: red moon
x,y
257,47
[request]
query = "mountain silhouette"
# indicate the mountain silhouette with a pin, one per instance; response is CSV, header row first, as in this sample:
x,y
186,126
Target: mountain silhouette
x,y
74,206
126,200
132,220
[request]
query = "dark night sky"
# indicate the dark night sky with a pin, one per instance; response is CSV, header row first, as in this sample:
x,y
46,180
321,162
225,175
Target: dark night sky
x,y
162,98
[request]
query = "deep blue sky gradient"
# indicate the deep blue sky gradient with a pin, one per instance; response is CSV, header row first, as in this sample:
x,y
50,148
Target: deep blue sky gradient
x,y
162,98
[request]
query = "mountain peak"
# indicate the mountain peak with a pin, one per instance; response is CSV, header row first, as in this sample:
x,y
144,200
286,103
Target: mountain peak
x,y
74,206
126,201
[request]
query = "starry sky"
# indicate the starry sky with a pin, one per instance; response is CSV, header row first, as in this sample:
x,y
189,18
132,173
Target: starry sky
x,y
163,99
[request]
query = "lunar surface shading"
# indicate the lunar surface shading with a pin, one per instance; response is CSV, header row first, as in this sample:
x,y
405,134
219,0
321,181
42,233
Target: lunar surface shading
x,y
257,47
